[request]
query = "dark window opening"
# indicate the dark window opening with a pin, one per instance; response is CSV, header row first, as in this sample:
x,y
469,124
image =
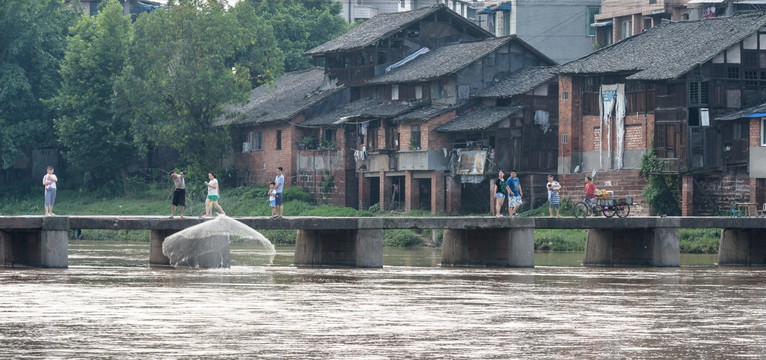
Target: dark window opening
x,y
279,139
415,137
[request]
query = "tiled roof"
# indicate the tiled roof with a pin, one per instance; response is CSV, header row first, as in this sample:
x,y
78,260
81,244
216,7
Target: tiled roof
x,y
383,26
739,114
422,114
287,97
441,61
480,118
520,82
364,108
669,50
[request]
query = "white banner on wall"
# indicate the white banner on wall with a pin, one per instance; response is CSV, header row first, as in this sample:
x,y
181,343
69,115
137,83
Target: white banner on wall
x,y
612,99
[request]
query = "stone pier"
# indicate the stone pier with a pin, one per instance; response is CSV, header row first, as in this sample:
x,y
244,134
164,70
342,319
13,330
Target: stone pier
x,y
742,247
489,247
332,248
46,247
634,247
156,238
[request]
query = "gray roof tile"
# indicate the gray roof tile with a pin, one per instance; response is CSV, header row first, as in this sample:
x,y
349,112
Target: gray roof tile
x,y
287,97
520,82
480,118
441,61
668,50
364,108
383,26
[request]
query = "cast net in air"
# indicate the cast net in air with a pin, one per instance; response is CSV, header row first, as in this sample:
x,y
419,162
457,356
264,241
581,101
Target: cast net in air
x,y
208,245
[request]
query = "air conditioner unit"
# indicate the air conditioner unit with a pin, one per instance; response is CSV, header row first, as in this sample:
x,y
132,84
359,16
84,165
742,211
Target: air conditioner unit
x,y
247,147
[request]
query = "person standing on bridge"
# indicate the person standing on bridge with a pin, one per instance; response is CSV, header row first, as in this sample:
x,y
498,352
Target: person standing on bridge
x,y
212,196
500,192
49,182
280,184
554,196
514,194
179,194
590,191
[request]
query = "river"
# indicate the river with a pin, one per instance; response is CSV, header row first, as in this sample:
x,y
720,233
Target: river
x,y
110,304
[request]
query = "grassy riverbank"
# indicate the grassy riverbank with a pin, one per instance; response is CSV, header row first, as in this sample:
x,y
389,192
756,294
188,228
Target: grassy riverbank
x,y
253,201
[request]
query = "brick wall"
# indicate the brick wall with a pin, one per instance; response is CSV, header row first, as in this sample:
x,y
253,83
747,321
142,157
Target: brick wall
x,y
626,183
260,166
723,189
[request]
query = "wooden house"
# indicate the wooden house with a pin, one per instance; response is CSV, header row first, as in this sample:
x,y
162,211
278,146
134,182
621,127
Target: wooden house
x,y
664,90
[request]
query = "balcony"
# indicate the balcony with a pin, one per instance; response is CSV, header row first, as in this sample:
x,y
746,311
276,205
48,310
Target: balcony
x,y
422,160
404,160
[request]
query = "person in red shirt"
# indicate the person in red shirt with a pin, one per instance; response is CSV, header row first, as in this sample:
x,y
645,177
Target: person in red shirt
x,y
590,191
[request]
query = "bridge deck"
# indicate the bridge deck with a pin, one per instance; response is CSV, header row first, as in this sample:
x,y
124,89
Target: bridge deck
x,y
349,223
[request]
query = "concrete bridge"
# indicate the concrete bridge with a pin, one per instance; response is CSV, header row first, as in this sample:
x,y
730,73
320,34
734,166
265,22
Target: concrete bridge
x,y
39,241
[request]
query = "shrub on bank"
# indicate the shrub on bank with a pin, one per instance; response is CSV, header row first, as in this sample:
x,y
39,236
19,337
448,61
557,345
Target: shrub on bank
x,y
401,238
699,241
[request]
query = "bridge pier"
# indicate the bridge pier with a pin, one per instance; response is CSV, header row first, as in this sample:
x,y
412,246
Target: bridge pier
x,y
47,247
634,247
489,247
339,248
156,238
746,247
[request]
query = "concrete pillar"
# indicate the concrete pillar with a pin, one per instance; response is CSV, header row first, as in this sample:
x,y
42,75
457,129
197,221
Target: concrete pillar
x,y
645,247
598,248
454,195
667,250
437,192
6,250
386,191
156,238
339,248
54,244
687,195
489,247
745,247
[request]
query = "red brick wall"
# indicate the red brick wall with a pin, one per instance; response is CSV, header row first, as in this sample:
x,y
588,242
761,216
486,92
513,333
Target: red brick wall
x,y
639,130
337,163
437,192
626,183
454,195
724,189
262,164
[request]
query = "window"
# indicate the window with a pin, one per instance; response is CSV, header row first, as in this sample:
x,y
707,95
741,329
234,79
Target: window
x,y
592,12
279,139
627,29
394,92
255,140
763,131
419,92
565,95
698,92
415,137
564,138
732,72
751,77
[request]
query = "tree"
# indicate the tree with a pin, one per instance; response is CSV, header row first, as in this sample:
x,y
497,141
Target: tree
x,y
302,25
97,141
31,46
186,63
663,191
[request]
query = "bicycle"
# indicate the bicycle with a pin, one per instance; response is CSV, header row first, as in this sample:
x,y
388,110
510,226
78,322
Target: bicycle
x,y
608,207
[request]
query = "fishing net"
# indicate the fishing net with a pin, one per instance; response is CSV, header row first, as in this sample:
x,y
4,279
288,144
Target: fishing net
x,y
208,245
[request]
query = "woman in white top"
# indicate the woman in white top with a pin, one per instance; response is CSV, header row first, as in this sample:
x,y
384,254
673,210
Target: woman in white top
x,y
212,196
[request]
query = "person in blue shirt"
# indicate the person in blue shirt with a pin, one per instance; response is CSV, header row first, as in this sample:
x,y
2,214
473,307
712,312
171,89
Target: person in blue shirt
x,y
514,197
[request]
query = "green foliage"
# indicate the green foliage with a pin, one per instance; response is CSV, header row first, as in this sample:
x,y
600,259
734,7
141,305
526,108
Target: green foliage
x,y
31,47
699,241
183,70
663,191
283,237
560,240
98,142
401,238
336,212
296,193
302,25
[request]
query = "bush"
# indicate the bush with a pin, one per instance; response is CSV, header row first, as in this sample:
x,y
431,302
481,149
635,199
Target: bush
x,y
699,241
296,193
282,237
560,240
401,238
335,211
663,191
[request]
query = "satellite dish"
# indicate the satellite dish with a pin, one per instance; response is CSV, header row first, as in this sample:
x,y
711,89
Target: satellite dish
x,y
593,174
576,170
